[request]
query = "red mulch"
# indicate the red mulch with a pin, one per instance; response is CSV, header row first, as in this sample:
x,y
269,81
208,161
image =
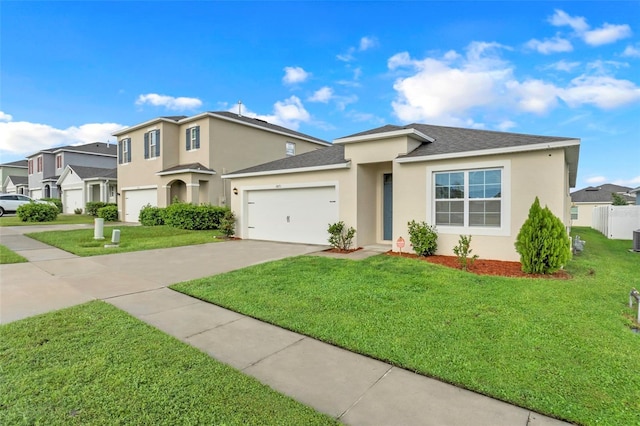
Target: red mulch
x,y
337,250
484,266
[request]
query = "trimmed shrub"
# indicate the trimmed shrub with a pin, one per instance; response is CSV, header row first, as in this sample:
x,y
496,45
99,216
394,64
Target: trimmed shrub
x,y
93,206
108,213
423,237
228,224
56,201
341,237
151,216
37,212
543,242
188,216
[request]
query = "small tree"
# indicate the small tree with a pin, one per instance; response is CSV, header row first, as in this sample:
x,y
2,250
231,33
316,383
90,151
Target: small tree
x,y
228,224
543,243
423,237
618,200
463,252
340,236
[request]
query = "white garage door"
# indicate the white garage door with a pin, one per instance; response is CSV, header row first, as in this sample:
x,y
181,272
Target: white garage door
x,y
71,200
36,194
296,215
135,200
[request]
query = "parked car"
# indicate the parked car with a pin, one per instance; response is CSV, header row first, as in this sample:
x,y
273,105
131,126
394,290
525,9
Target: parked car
x,y
9,203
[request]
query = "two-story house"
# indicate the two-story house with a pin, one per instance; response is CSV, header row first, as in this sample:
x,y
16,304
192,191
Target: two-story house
x,y
13,177
46,166
183,158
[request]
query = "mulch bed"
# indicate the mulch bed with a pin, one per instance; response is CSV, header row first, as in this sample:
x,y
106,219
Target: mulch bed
x,y
337,250
484,266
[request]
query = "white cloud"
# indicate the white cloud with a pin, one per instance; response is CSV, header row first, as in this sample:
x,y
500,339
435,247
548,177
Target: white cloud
x,y
548,46
631,52
288,113
534,96
563,65
5,117
601,91
367,43
293,75
506,125
22,138
607,34
561,18
323,95
596,180
169,102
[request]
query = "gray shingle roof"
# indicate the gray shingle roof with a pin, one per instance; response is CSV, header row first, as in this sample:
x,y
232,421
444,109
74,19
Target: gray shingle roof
x,y
101,148
19,163
19,180
95,172
320,157
601,194
185,167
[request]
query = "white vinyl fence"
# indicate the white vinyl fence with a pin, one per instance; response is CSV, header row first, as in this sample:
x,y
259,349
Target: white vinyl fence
x,y
616,222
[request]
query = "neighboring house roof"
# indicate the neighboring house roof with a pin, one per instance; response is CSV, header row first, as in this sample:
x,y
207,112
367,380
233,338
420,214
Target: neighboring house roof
x,y
229,116
98,148
19,163
635,190
89,173
187,168
601,194
437,142
18,180
329,157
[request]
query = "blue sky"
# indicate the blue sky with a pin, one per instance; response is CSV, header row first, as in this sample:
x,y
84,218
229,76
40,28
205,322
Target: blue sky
x,y
74,72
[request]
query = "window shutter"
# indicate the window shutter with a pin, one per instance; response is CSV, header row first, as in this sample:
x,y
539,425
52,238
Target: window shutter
x,y
146,145
197,130
157,143
128,150
120,152
188,139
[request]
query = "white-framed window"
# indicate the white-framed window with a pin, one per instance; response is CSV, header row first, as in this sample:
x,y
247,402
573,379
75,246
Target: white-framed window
x,y
124,151
290,149
112,191
574,212
193,138
470,197
152,144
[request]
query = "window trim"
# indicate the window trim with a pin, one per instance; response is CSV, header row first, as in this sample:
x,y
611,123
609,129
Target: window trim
x,y
152,151
286,149
124,151
30,166
505,206
58,161
192,143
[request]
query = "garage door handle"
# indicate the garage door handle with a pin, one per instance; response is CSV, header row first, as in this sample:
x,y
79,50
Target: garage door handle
x,y
288,219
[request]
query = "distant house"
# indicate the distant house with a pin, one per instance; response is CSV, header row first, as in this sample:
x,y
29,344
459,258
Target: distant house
x,y
183,158
585,200
16,185
463,181
16,170
46,166
636,193
80,185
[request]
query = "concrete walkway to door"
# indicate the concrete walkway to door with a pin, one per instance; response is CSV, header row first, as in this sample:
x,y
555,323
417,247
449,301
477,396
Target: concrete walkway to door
x,y
352,388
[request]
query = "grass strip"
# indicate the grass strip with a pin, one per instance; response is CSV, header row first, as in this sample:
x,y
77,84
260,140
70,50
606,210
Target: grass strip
x,y
94,364
62,219
132,238
9,256
564,348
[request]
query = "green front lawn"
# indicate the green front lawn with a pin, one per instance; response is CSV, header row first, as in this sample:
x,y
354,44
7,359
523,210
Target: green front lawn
x,y
94,364
62,219
9,256
132,238
564,348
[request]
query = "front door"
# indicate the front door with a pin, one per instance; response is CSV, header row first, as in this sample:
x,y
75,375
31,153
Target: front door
x,y
387,207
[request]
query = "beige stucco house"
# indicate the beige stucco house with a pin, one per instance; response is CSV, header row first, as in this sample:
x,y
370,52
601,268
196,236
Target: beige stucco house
x,y
463,181
586,200
184,158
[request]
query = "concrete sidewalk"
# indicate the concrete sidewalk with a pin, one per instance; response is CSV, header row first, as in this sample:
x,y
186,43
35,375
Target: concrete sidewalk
x,y
352,388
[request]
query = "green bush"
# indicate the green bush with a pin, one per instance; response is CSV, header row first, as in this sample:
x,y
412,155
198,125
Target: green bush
x,y
228,224
108,213
56,201
463,252
151,216
340,236
37,212
188,216
543,243
93,206
423,237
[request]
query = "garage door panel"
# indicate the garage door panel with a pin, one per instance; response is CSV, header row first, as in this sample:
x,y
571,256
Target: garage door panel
x,y
299,215
71,200
135,200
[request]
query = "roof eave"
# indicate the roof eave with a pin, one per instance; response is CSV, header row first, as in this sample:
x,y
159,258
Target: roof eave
x,y
411,132
287,171
141,125
181,171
